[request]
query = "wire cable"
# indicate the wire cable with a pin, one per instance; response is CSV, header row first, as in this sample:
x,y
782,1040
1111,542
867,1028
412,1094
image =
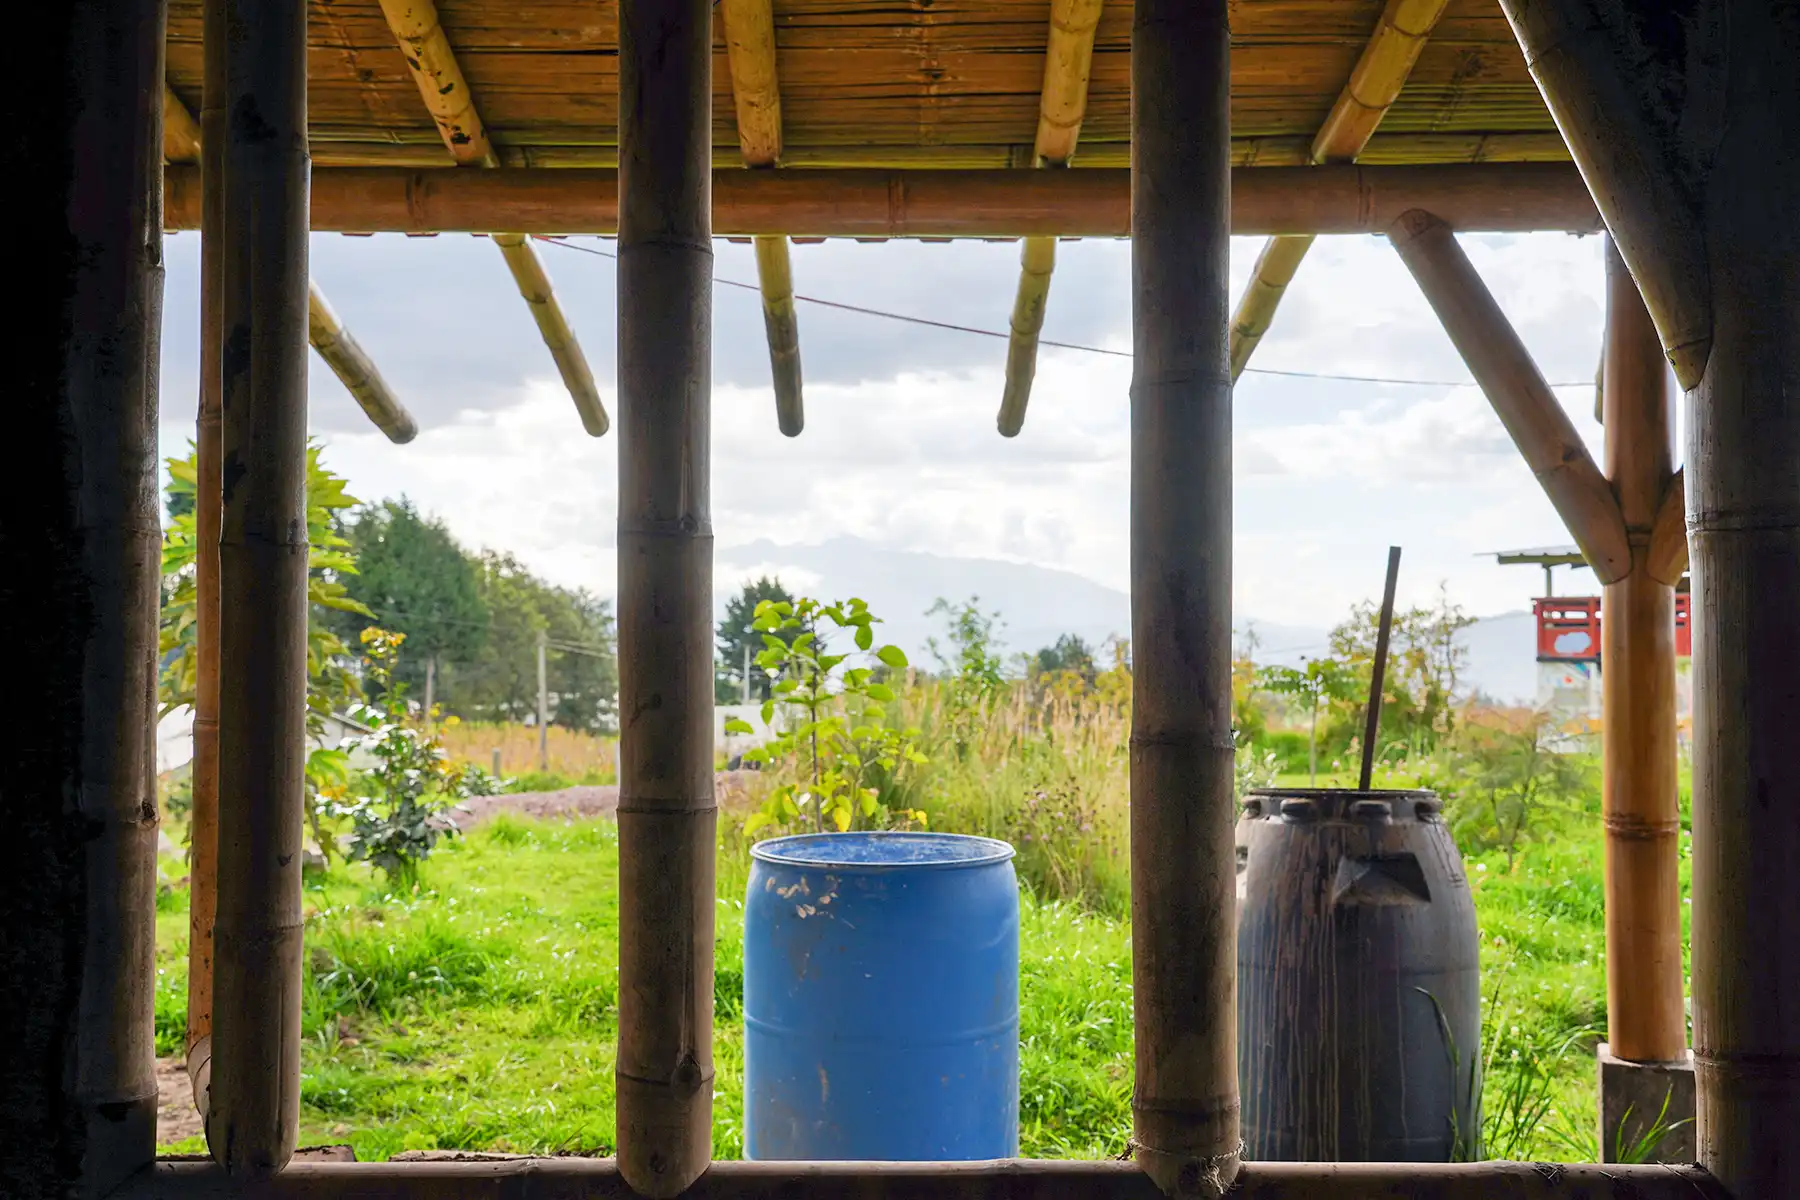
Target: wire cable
x,y
1003,335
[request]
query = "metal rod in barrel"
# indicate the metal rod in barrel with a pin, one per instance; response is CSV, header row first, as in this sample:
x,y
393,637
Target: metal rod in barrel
x,y
1372,727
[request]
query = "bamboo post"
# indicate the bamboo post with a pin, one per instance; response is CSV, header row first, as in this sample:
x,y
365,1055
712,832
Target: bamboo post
x,y
79,597
1533,416
1644,1015
445,92
1062,104
756,91
1183,858
1381,71
203,818
252,1120
351,364
666,808
1705,222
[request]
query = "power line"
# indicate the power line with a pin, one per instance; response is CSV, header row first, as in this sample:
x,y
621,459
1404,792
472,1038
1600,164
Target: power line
x,y
953,327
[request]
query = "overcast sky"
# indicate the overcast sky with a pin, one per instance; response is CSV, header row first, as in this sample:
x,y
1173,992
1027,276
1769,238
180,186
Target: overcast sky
x,y
900,447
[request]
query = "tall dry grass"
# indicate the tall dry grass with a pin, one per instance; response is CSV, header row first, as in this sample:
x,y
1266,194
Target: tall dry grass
x,y
576,756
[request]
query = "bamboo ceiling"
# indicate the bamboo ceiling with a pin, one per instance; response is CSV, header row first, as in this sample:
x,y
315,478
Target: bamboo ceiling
x,y
944,83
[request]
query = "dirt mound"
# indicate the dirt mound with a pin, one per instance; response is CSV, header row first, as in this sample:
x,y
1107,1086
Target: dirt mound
x,y
582,802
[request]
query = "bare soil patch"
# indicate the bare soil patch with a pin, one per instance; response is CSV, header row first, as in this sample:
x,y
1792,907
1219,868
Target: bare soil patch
x,y
575,803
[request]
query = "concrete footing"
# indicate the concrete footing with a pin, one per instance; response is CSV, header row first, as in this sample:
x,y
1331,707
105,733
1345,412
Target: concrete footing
x,y
1638,1097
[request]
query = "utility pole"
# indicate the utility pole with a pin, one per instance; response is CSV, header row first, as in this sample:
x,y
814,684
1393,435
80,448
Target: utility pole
x,y
746,674
430,685
543,716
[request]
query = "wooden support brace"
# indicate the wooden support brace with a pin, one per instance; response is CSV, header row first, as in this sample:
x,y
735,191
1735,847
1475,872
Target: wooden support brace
x,y
445,91
1533,416
1375,83
351,364
1667,560
803,203
1068,61
183,143
756,88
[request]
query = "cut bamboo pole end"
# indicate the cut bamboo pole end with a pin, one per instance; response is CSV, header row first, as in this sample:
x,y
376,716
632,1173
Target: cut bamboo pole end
x,y
755,83
440,79
775,275
1274,270
534,285
1529,410
1068,65
356,370
1037,260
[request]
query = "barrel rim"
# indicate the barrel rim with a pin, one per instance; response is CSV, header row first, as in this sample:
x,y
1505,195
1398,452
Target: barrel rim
x,y
1317,793
770,851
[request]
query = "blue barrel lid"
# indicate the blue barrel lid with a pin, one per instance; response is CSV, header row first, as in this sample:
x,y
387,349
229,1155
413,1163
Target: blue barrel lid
x,y
869,851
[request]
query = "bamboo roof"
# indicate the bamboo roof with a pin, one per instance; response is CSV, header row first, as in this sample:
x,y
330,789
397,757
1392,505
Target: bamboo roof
x,y
900,83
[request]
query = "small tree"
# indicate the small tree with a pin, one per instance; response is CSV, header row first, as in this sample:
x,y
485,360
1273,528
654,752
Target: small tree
x,y
841,749
1322,681
1508,780
971,664
396,813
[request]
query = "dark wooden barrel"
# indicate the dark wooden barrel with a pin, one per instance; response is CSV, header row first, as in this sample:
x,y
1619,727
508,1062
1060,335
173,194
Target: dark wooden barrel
x,y
1359,988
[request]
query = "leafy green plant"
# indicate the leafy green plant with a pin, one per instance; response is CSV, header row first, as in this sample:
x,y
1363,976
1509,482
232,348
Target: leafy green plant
x,y
1322,681
1508,781
973,670
397,813
841,749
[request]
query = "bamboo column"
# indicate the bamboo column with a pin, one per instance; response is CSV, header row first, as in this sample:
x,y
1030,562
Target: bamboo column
x,y
756,90
203,817
1533,417
1381,71
252,1119
451,104
1705,222
1183,861
666,807
1644,1015
79,598
1068,62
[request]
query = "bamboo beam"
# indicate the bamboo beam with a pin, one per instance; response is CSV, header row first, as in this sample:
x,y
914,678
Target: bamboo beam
x,y
351,364
667,814
451,104
1068,60
340,146
1533,416
755,86
182,143
1183,861
1498,198
599,1179
1688,130
1645,1017
78,955
1375,83
255,1095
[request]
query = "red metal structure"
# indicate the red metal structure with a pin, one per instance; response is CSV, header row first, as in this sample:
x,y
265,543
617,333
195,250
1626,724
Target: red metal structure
x,y
1568,628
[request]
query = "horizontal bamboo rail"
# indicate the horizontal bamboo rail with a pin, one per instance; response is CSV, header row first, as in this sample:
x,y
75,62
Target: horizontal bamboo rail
x,y
598,1179
336,146
1492,198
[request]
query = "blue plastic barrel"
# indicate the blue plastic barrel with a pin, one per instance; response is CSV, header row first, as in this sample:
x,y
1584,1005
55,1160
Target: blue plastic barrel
x,y
881,998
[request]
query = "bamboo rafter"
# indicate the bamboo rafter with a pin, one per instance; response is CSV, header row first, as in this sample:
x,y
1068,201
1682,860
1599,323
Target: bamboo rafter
x,y
756,88
1068,62
445,91
1374,85
341,352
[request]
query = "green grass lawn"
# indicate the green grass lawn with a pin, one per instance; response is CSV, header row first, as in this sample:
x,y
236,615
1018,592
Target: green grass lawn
x,y
479,1010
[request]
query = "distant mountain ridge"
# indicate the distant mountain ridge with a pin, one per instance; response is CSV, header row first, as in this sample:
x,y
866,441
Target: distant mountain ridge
x,y
1039,604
